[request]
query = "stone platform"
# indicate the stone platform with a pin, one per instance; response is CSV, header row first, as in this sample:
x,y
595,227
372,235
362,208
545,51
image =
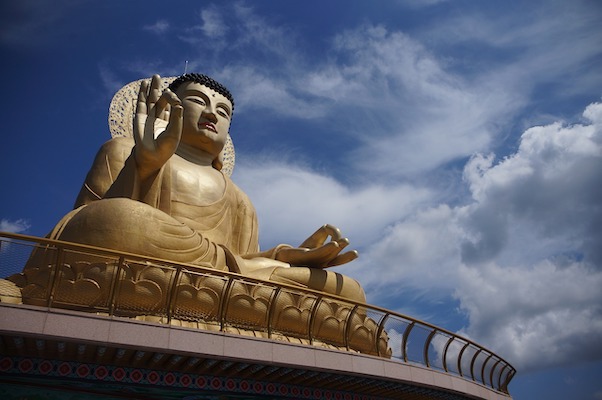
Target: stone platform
x,y
61,352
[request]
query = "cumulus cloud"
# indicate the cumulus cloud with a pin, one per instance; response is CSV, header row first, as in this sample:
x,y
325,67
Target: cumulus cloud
x,y
521,254
519,245
532,265
548,187
304,199
523,257
535,315
529,284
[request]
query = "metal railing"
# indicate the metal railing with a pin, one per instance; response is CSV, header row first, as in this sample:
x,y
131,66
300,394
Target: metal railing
x,y
67,275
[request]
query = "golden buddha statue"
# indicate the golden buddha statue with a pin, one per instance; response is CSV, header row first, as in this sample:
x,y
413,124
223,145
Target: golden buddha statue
x,y
162,194
161,189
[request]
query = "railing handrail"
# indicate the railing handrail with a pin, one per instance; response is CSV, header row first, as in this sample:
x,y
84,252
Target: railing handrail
x,y
232,277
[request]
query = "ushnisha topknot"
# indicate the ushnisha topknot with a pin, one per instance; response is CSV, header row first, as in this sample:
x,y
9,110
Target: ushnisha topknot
x,y
203,80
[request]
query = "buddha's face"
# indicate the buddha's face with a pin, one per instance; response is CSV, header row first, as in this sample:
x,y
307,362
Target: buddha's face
x,y
206,118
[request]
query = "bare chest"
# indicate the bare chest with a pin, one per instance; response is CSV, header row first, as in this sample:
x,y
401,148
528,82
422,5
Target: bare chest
x,y
195,185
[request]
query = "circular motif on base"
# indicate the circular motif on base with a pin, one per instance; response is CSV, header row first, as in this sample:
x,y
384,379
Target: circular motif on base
x,y
136,376
25,365
45,367
82,371
153,377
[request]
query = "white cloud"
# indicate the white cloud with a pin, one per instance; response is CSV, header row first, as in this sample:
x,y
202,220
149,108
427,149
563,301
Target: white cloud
x,y
548,187
109,80
522,256
419,116
213,24
535,316
555,43
522,253
523,259
264,37
382,88
296,201
394,95
18,226
419,251
158,28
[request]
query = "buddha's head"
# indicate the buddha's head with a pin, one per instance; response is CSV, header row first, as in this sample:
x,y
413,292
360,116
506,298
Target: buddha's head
x,y
208,108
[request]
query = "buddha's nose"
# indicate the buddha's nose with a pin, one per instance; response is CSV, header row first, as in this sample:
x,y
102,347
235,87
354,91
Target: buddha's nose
x,y
209,115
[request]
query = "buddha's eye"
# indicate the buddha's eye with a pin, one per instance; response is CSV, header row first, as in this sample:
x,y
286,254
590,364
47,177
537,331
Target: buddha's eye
x,y
223,112
196,100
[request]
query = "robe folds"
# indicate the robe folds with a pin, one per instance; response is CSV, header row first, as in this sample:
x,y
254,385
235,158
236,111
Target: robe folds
x,y
115,210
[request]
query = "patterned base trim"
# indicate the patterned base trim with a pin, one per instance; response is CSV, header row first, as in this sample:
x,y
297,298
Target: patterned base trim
x,y
68,373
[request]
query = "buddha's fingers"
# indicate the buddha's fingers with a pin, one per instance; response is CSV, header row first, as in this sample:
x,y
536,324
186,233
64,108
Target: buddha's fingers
x,y
316,258
142,97
344,242
141,112
164,104
155,91
319,237
167,142
343,258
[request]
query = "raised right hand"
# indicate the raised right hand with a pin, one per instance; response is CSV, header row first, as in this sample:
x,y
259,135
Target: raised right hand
x,y
157,126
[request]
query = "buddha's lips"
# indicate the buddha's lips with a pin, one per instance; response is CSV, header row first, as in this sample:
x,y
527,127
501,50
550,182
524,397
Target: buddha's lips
x,y
207,125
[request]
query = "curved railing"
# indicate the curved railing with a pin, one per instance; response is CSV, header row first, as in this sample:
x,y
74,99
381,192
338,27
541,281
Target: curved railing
x,y
122,284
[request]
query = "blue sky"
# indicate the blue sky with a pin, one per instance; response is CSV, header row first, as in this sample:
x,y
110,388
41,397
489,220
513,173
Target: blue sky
x,y
458,144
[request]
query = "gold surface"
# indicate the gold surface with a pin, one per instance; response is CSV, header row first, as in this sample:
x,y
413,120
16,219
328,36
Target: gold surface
x,y
197,297
160,233
159,189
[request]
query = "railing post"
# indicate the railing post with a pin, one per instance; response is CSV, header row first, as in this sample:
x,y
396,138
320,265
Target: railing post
x,y
115,282
474,358
404,341
499,378
347,323
312,317
115,285
449,342
271,309
223,304
504,386
381,328
483,368
427,343
172,294
460,354
57,274
491,373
